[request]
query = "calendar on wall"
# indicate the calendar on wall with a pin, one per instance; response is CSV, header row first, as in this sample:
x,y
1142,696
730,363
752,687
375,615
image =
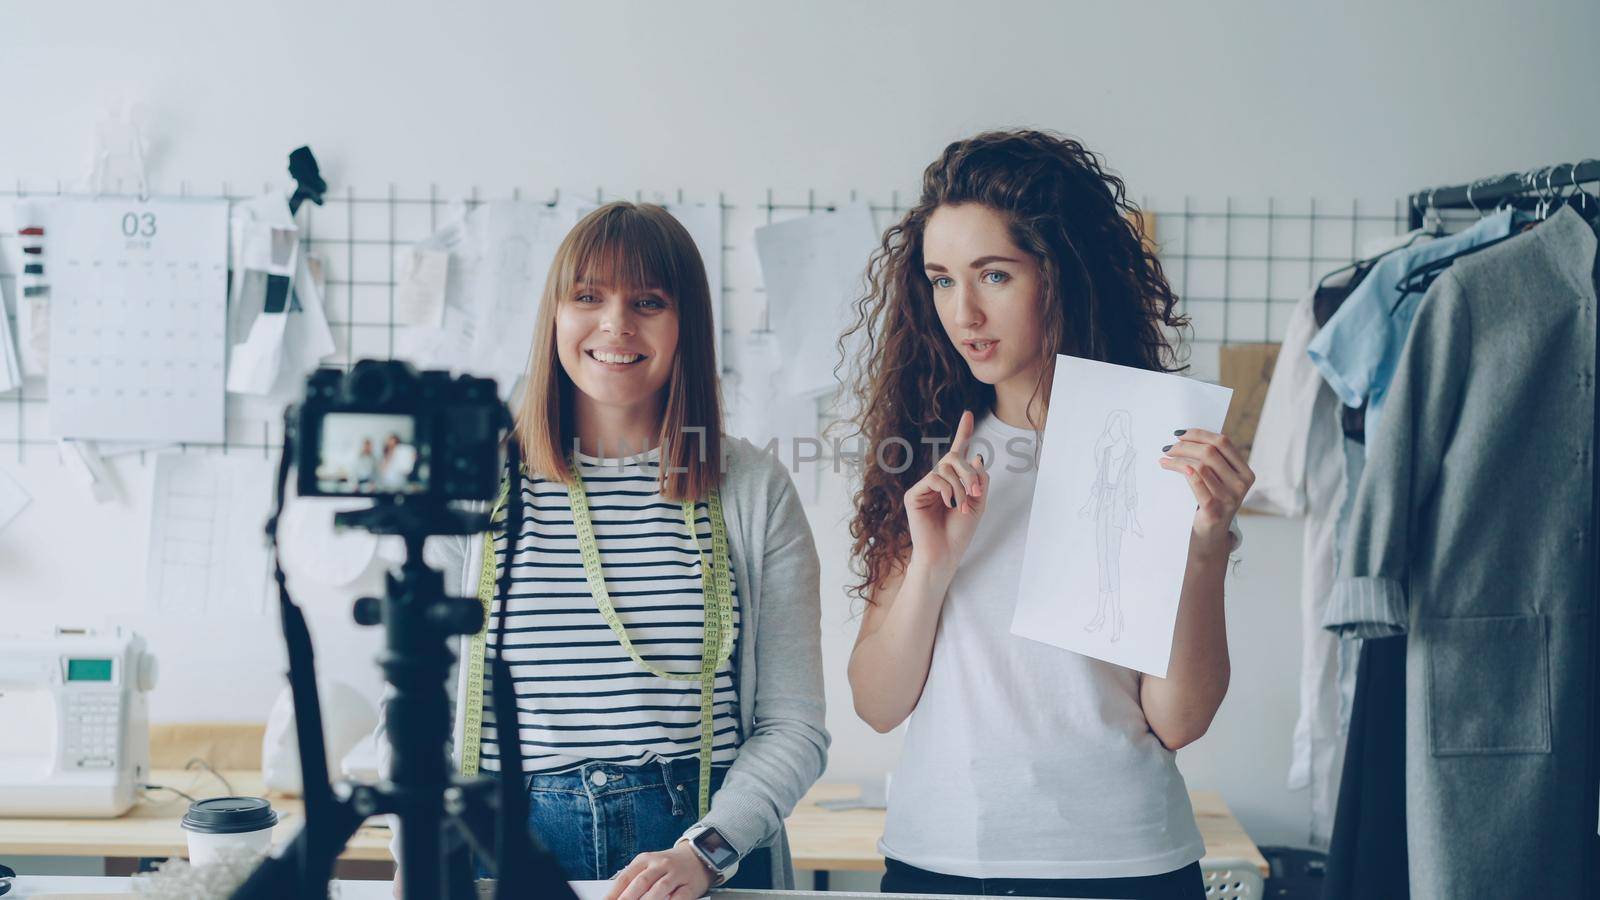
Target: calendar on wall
x,y
137,301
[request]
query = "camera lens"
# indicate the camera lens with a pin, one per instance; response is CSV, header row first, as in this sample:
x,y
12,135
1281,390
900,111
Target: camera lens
x,y
369,383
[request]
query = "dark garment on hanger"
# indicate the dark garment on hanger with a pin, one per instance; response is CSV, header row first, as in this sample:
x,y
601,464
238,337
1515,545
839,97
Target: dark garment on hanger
x,y
1326,302
1367,856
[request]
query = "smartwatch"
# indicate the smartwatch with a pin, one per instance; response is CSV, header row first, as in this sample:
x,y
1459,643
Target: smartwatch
x,y
715,853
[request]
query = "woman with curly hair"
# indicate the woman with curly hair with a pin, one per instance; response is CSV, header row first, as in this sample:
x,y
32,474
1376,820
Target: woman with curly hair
x,y
1027,769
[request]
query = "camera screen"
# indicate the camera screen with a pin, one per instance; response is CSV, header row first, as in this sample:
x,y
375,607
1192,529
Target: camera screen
x,y
369,453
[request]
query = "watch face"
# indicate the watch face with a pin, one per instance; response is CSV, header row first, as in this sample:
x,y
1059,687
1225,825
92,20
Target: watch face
x,y
716,849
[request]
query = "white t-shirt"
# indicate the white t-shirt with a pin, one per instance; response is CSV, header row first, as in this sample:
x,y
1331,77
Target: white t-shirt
x,y
1023,760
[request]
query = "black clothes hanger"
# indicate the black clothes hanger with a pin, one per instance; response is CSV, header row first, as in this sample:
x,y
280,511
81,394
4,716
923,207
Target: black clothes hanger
x,y
1418,280
1328,298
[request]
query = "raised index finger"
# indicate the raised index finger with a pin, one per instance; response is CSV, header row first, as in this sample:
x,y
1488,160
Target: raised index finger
x,y
963,435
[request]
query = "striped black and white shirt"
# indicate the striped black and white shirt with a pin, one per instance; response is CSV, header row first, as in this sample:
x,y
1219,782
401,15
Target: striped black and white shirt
x,y
580,697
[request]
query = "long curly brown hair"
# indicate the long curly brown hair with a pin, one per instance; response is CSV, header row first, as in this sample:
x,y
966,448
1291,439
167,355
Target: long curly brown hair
x,y
1106,299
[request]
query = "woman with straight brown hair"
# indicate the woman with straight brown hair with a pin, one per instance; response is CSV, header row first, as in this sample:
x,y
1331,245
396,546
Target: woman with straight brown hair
x,y
652,584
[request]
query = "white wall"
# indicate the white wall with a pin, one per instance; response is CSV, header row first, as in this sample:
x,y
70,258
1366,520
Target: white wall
x,y
1253,100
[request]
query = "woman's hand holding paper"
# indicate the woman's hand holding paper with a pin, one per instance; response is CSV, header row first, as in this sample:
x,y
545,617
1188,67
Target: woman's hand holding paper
x,y
1219,477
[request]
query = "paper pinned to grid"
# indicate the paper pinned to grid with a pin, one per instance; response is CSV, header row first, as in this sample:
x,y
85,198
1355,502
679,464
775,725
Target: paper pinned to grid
x,y
500,254
10,366
813,269
703,221
421,274
207,553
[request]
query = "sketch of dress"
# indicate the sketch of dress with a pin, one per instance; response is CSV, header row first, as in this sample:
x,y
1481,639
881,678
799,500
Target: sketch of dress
x,y
1114,504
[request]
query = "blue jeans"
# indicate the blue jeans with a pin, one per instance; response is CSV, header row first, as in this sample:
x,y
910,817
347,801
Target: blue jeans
x,y
1182,884
597,817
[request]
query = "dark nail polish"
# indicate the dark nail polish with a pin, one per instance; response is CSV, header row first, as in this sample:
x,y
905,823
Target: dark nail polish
x,y
952,502
1166,448
1180,432
980,462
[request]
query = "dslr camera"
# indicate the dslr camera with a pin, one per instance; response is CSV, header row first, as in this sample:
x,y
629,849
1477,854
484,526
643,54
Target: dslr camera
x,y
385,430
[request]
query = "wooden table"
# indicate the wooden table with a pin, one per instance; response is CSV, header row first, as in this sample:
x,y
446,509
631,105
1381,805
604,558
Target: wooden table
x,y
821,840
824,840
151,828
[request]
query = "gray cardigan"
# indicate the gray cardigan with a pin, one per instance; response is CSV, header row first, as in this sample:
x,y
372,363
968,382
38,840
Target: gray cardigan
x,y
781,703
1470,535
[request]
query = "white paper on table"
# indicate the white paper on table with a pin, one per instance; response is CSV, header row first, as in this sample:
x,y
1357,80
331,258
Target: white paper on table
x,y
138,319
12,498
703,221
1107,522
591,890
421,274
813,270
207,552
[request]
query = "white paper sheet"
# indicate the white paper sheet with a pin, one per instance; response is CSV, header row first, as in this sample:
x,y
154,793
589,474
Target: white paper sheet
x,y
1108,534
207,552
12,498
85,460
759,409
276,322
421,274
253,364
500,254
448,346
10,366
813,269
703,221
307,339
138,305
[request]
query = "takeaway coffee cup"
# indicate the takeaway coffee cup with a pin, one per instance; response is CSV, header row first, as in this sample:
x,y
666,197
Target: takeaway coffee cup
x,y
221,824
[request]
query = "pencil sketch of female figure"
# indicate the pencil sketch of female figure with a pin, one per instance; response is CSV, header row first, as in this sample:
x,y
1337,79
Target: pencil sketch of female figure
x,y
1113,502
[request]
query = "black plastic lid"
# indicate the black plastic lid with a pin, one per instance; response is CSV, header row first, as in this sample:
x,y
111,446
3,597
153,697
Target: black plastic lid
x,y
229,815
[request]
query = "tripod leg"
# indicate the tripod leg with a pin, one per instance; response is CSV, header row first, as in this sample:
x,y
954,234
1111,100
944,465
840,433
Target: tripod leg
x,y
286,875
305,869
521,861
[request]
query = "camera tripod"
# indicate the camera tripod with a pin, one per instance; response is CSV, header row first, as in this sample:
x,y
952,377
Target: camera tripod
x,y
445,820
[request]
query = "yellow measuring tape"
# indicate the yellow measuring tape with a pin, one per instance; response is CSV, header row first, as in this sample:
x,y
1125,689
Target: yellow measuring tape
x,y
715,590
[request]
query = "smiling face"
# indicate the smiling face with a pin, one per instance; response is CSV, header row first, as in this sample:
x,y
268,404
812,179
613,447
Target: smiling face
x,y
988,293
617,344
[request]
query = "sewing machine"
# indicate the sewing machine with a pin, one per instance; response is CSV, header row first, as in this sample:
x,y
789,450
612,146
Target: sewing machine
x,y
74,724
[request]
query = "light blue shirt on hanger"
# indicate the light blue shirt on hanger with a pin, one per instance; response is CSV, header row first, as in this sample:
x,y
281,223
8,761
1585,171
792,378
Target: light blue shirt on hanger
x,y
1357,350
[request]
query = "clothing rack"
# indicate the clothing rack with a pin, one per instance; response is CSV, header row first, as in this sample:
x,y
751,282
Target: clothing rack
x,y
1485,194
1527,189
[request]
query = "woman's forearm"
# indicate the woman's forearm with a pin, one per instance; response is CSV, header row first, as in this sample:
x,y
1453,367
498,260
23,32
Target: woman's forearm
x,y
890,662
1180,707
